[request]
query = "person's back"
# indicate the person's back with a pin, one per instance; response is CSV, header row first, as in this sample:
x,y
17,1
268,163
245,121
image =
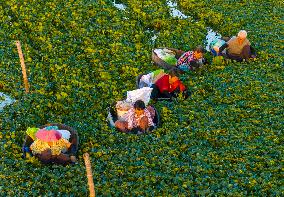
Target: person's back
x,y
167,86
163,83
190,59
235,47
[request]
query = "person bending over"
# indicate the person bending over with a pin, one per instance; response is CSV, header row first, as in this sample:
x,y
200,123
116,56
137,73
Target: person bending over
x,y
137,118
191,60
237,48
167,86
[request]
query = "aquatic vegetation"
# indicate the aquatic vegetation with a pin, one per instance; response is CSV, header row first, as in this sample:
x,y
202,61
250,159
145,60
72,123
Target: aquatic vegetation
x,y
225,139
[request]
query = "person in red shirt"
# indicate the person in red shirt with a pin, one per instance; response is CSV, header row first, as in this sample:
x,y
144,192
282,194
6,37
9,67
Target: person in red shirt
x,y
167,86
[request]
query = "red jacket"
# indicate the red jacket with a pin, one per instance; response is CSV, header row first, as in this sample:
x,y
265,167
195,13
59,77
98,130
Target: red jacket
x,y
164,85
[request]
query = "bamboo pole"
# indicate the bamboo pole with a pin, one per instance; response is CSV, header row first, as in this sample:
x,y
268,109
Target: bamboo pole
x,y
24,72
89,174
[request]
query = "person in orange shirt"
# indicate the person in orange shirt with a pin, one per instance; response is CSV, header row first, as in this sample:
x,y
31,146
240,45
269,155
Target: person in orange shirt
x,y
167,86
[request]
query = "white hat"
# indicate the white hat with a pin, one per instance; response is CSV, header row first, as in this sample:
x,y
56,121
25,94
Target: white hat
x,y
65,134
242,34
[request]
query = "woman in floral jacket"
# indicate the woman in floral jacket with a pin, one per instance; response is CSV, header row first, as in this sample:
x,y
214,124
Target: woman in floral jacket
x,y
191,59
138,117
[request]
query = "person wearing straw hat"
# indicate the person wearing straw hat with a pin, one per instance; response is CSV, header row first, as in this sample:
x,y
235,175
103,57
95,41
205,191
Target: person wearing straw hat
x,y
237,48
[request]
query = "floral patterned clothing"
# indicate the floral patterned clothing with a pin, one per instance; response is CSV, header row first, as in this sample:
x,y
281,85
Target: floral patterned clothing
x,y
186,58
133,120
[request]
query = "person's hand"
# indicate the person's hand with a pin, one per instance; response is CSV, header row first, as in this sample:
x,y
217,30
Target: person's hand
x,y
73,159
216,48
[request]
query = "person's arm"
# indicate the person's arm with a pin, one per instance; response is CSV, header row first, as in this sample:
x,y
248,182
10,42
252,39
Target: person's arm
x,y
167,94
130,118
182,87
73,146
194,64
150,120
252,50
223,47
